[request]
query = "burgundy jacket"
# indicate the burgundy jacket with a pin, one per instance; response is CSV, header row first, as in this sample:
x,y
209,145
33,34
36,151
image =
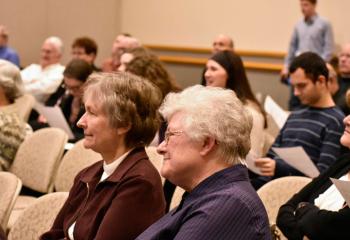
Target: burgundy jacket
x,y
120,207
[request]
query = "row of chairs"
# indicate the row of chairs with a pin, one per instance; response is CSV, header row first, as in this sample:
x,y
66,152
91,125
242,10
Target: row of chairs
x,y
38,166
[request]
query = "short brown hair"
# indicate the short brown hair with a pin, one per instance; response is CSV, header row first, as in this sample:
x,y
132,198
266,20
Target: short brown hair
x,y
314,2
78,69
128,100
147,65
87,43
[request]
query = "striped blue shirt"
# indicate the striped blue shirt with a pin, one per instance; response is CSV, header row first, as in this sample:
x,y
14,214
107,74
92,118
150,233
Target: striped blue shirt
x,y
317,130
224,206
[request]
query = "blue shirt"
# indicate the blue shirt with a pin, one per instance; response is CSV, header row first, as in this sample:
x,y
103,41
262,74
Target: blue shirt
x,y
9,54
223,206
315,35
317,130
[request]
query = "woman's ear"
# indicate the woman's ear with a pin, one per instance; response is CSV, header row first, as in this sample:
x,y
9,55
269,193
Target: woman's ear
x,y
207,146
123,130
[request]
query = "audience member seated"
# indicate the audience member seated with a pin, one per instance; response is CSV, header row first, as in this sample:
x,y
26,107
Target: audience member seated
x,y
6,52
119,197
12,129
221,43
85,48
332,83
143,63
317,127
225,69
75,75
204,156
44,78
319,211
121,43
344,78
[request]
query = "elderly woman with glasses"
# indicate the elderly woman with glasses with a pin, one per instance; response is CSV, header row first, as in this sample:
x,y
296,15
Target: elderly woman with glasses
x,y
203,154
120,196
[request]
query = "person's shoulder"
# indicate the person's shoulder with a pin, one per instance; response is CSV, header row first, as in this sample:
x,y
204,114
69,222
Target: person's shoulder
x,y
335,113
90,170
12,51
31,67
232,195
138,164
323,20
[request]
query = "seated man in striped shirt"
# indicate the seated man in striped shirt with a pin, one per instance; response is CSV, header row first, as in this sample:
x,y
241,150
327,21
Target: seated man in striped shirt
x,y
317,127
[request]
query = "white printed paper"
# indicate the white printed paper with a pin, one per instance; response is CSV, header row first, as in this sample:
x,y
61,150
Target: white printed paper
x,y
250,161
55,118
344,188
297,158
277,113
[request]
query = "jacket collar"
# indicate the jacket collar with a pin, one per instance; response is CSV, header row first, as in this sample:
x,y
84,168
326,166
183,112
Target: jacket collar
x,y
95,171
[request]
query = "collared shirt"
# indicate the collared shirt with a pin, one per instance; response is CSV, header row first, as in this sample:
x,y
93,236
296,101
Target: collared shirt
x,y
223,206
315,35
42,82
108,169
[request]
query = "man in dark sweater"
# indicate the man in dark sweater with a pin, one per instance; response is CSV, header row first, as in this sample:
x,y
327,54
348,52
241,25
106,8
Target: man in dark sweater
x,y
317,127
344,79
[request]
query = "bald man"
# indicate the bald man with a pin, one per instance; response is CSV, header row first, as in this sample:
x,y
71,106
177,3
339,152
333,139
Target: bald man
x,y
222,42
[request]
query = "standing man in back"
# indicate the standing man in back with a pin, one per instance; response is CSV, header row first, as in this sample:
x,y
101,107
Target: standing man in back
x,y
312,33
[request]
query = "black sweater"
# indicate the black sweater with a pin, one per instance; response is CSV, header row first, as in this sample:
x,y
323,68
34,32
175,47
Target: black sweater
x,y
309,220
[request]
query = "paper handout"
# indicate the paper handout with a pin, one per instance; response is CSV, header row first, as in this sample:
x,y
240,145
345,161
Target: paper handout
x,y
344,188
297,158
278,114
250,161
55,118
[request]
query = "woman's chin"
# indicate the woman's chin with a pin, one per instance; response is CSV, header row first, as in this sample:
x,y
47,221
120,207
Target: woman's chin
x,y
87,143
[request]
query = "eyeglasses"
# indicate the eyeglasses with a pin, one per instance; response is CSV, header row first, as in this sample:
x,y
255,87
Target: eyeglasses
x,y
169,133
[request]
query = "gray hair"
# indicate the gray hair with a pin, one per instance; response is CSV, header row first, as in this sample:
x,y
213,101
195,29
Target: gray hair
x,y
56,42
213,112
10,80
127,100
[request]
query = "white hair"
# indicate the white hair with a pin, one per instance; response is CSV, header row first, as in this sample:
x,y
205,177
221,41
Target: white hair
x,y
10,80
213,112
56,42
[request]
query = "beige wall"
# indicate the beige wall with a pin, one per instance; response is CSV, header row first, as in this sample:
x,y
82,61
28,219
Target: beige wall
x,y
30,22
254,24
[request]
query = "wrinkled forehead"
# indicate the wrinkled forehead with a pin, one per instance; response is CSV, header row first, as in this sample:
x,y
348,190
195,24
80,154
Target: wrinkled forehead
x,y
177,120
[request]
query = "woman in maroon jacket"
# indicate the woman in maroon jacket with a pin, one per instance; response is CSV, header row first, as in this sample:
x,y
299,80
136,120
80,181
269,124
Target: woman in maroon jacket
x,y
119,197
